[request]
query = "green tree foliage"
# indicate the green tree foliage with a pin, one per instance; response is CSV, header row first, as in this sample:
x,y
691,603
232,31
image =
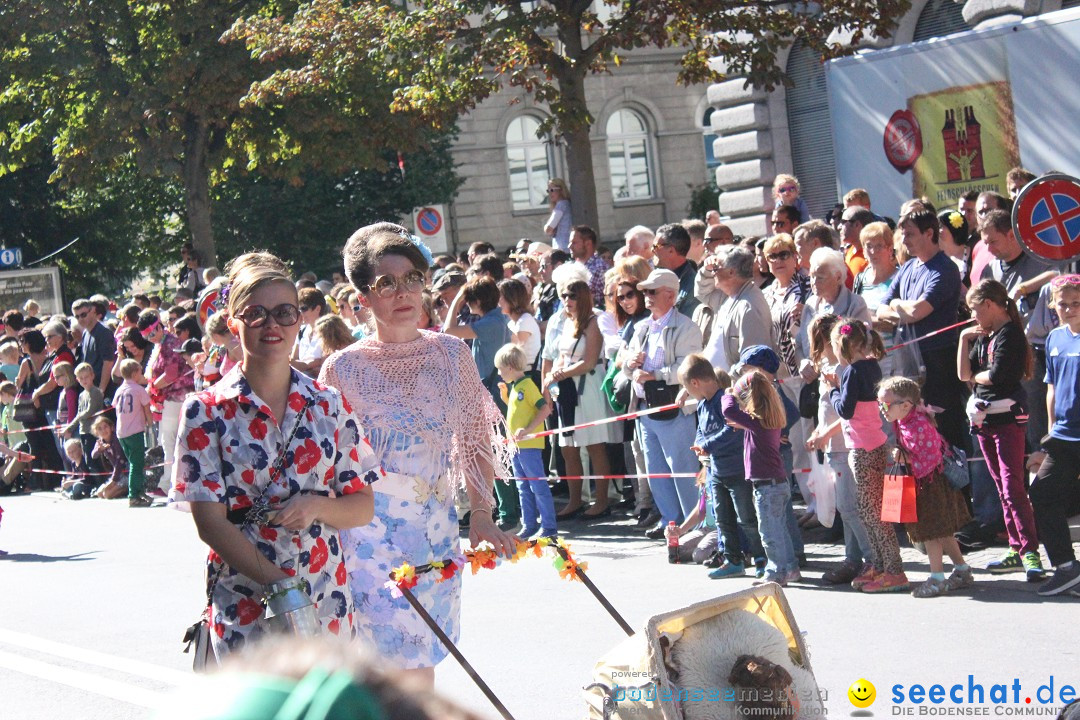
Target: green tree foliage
x,y
107,84
446,55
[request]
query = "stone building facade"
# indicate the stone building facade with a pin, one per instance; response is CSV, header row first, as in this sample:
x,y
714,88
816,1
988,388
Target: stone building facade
x,y
650,142
653,139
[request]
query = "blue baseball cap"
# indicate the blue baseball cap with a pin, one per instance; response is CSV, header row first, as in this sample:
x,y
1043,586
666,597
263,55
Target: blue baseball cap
x,y
760,356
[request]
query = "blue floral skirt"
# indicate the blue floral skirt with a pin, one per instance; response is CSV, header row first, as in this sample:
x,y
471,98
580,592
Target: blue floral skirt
x,y
411,525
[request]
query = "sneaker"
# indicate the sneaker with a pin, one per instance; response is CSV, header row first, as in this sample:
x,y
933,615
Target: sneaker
x,y
728,570
759,567
508,525
1062,580
772,577
886,582
1033,567
1011,562
868,575
930,588
960,579
792,576
140,501
526,533
843,573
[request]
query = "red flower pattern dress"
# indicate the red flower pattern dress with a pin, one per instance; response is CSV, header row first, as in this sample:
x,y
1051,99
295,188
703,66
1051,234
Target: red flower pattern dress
x,y
227,444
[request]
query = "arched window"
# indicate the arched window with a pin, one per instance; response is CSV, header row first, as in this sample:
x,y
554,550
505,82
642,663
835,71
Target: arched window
x,y
939,18
628,156
710,157
529,161
809,124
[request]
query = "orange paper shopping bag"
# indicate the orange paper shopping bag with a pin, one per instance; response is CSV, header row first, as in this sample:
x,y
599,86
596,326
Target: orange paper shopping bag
x,y
898,498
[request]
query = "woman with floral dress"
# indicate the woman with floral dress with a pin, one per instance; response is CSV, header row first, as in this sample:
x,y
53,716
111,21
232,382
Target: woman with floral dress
x,y
434,429
272,465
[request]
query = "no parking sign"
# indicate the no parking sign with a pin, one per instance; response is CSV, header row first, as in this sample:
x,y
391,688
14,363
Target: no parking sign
x,y
430,224
1046,217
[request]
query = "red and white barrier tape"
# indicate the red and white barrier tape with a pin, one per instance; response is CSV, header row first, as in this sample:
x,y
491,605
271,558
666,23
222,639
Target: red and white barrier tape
x,y
931,334
603,477
604,421
87,474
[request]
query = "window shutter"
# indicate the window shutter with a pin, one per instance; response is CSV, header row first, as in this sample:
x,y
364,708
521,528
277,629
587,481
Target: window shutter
x,y
939,18
810,130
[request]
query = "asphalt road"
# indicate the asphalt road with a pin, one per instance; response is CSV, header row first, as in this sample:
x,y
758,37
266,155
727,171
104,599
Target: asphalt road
x,y
94,598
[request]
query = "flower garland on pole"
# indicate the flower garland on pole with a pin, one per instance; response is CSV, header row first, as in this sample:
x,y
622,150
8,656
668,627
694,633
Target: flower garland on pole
x,y
406,576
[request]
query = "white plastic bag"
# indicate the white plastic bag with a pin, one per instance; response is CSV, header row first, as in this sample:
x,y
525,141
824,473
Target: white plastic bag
x,y
822,483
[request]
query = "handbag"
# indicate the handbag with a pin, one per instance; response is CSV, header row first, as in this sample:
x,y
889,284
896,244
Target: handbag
x,y
616,388
809,399
197,636
954,465
898,504
658,394
26,412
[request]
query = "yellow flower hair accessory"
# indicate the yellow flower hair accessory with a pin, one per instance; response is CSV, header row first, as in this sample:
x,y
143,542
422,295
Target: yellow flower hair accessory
x,y
956,220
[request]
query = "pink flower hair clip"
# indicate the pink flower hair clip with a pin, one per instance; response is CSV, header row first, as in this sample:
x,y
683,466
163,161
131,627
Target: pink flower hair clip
x,y
846,329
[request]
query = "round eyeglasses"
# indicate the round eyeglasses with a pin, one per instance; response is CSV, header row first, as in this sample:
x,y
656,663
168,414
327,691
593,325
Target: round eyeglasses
x,y
255,316
386,286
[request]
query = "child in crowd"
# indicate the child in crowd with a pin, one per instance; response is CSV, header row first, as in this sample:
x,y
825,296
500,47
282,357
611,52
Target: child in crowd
x,y
940,508
9,360
132,405
996,357
91,402
767,362
858,554
1055,489
526,411
109,455
79,484
733,496
67,404
854,397
786,192
754,404
11,430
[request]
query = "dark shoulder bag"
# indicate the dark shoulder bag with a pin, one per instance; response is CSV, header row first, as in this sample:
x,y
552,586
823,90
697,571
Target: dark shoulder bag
x,y
659,393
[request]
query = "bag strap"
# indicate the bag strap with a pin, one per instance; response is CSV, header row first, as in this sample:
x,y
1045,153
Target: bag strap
x,y
256,514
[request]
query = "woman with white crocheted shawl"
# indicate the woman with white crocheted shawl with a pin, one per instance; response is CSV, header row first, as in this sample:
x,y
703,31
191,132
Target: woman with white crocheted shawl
x,y
434,428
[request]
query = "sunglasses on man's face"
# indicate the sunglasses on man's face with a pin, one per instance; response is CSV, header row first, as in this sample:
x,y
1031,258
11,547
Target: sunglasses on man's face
x,y
778,223
255,316
83,314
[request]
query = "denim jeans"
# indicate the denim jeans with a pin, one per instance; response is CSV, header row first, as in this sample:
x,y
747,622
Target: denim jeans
x,y
535,494
771,502
786,454
856,544
734,510
666,444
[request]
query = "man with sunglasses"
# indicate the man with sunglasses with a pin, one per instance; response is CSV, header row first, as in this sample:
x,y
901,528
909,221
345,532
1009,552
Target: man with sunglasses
x,y
97,347
671,248
785,219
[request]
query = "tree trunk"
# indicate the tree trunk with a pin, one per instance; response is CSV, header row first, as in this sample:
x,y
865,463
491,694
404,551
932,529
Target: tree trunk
x,y
574,124
197,189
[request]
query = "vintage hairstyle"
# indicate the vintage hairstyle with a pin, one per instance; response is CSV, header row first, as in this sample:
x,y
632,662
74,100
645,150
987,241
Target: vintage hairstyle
x,y
128,368
516,296
696,367
820,334
332,334
511,356
760,400
995,292
483,291
902,387
249,272
372,243
922,217
852,335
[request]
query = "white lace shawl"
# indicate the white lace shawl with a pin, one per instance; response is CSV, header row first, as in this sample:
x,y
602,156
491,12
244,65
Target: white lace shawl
x,y
424,394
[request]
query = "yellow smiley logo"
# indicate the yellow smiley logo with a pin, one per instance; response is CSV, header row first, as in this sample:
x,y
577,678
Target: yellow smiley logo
x,y
862,693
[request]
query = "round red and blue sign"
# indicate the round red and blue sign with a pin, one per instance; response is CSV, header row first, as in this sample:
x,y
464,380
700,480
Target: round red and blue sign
x,y
1046,217
429,221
